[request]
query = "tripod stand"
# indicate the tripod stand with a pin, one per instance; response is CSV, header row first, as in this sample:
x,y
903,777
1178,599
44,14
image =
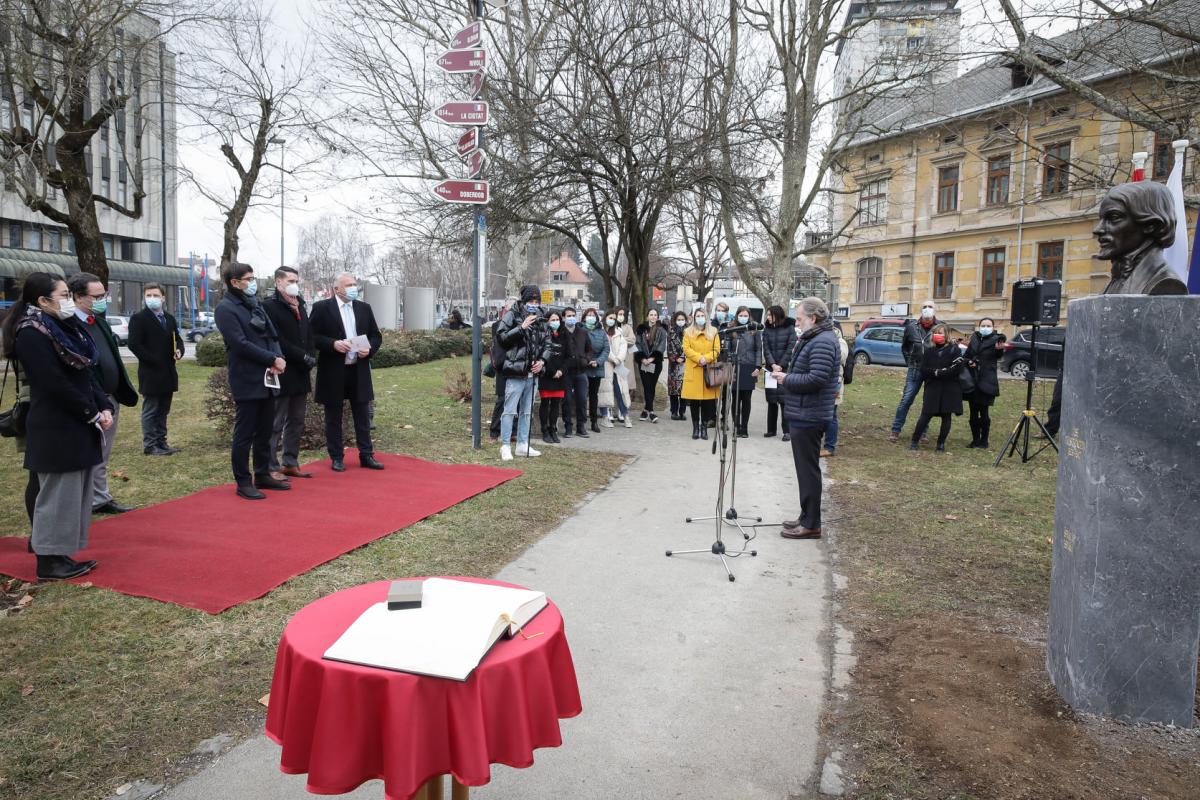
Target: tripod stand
x,y
1018,440
724,516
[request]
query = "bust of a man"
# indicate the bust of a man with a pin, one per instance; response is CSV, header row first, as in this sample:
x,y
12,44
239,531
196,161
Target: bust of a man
x,y
1137,220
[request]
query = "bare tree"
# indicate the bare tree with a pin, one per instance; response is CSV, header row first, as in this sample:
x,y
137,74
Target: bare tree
x,y
332,245
696,230
247,95
72,72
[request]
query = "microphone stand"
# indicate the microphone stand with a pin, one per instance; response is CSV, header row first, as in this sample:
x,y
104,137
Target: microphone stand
x,y
722,516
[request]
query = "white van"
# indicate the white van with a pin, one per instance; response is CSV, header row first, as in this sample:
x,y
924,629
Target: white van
x,y
757,312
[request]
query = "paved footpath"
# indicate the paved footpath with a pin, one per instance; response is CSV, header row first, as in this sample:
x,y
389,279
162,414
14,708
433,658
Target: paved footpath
x,y
692,686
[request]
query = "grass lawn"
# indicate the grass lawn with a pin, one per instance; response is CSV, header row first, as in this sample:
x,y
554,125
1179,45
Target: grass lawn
x,y
97,689
948,560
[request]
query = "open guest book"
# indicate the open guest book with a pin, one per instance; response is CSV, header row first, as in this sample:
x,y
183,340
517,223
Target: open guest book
x,y
447,637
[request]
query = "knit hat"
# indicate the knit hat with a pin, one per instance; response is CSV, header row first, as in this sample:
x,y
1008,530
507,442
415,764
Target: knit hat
x,y
530,292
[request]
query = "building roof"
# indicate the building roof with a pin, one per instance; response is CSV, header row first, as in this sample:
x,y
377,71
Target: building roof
x,y
564,263
1103,49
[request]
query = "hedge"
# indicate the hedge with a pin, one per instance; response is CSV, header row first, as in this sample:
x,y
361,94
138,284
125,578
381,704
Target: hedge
x,y
399,348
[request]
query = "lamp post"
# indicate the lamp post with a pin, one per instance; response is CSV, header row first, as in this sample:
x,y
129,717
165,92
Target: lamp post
x,y
279,140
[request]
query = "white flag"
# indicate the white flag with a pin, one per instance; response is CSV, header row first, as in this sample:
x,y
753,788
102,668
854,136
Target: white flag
x,y
1176,255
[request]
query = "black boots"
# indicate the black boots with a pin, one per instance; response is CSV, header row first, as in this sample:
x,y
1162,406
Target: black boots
x,y
696,429
985,428
704,431
975,433
61,568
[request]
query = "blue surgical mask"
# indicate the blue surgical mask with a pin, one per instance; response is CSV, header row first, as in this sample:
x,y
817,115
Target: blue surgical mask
x,y
553,324
718,316
352,293
590,322
99,306
154,303
985,331
531,308
700,322
251,289
743,319
571,322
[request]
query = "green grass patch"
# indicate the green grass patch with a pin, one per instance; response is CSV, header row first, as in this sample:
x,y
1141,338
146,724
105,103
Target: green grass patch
x,y
97,688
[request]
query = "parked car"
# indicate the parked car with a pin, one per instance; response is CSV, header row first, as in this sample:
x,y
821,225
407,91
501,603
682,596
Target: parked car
x,y
877,321
199,332
120,327
879,345
1018,358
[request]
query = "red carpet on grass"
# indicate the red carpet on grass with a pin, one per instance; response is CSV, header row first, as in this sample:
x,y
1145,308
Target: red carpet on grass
x,y
213,550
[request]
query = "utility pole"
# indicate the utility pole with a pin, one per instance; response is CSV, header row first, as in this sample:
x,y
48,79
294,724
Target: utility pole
x,y
279,140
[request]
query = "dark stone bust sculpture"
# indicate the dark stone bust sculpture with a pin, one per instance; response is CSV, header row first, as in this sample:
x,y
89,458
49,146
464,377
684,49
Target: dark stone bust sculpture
x,y
1137,220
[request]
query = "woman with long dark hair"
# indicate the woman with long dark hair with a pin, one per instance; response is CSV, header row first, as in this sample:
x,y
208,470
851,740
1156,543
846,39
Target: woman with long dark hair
x,y
67,414
651,344
749,364
940,365
676,362
779,338
552,383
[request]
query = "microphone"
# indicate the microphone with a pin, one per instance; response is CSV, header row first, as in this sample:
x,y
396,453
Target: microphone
x,y
749,326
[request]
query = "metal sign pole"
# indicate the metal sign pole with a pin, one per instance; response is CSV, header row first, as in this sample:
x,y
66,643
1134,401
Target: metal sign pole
x,y
477,285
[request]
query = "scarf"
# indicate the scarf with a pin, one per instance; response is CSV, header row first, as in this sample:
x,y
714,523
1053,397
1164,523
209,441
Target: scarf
x,y
73,346
292,302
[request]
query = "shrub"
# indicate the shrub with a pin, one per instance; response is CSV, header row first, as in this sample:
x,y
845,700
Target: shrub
x,y
458,385
219,409
210,351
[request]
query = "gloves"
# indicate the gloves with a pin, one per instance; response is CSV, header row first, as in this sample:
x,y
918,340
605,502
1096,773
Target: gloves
x,y
309,361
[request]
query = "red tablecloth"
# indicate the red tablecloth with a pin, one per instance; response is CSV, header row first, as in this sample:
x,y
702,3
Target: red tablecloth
x,y
345,724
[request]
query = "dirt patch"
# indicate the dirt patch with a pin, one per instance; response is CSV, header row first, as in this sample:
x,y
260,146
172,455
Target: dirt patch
x,y
977,717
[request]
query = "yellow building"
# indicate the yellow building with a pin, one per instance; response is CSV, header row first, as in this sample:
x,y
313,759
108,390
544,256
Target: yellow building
x,y
979,181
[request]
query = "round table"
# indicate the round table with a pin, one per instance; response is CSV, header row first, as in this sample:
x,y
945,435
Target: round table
x,y
345,724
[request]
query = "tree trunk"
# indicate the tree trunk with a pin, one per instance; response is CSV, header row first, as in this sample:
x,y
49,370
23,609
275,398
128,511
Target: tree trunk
x,y
518,260
83,224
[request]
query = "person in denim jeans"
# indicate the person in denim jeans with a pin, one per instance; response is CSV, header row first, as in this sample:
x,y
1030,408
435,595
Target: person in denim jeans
x,y
522,334
916,340
829,446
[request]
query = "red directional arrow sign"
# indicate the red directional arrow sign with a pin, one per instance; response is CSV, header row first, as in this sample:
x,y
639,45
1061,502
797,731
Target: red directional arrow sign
x,y
463,113
462,191
462,60
468,142
474,163
468,37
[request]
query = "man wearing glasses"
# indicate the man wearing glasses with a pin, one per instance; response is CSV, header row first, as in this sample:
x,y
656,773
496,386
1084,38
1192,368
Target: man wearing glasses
x,y
917,335
91,303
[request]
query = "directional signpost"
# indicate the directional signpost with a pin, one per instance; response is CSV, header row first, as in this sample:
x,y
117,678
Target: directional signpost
x,y
465,56
457,113
462,60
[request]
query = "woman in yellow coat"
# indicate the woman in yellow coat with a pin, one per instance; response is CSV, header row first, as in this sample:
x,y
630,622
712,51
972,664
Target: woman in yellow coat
x,y
700,346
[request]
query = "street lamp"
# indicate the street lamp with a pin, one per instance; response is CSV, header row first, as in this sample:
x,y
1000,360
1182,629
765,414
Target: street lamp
x,y
279,140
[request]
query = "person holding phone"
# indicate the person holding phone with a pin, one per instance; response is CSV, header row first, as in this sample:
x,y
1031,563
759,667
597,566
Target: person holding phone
x,y
984,351
940,365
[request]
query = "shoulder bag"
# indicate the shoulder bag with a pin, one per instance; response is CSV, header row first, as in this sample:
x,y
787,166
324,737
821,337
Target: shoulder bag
x,y
12,422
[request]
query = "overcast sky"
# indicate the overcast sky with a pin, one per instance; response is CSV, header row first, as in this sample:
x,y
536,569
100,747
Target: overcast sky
x,y
200,221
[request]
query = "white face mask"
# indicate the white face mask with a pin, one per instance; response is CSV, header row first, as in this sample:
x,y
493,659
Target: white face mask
x,y
292,290
985,331
926,313
66,308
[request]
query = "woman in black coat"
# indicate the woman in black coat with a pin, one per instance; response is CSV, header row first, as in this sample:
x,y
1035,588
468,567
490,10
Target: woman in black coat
x,y
983,358
749,364
943,393
778,340
650,343
63,428
552,382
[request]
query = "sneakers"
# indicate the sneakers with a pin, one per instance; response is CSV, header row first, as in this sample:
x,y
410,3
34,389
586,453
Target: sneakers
x,y
527,451
628,422
894,437
826,453
653,417
645,415
608,423
506,453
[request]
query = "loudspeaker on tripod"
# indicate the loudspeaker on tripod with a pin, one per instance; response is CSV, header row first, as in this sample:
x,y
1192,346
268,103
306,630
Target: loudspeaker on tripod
x,y
1036,301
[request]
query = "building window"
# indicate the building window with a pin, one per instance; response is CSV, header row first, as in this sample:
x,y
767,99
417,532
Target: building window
x,y
870,280
992,277
108,246
999,169
913,43
14,234
872,203
1056,175
1050,260
55,241
943,275
947,197
35,238
1160,164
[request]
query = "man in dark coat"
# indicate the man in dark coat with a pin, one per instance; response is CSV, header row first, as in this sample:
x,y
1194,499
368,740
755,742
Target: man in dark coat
x,y
916,340
252,354
579,353
289,313
154,338
91,303
346,336
809,381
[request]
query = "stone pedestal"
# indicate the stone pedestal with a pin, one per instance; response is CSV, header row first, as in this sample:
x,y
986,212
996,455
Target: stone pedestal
x,y
1125,587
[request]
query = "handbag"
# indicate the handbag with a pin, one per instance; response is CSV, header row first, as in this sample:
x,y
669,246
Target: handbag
x,y
717,374
12,422
966,380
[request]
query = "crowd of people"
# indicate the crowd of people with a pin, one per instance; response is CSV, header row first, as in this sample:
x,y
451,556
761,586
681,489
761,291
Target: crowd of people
x,y
71,384
582,368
